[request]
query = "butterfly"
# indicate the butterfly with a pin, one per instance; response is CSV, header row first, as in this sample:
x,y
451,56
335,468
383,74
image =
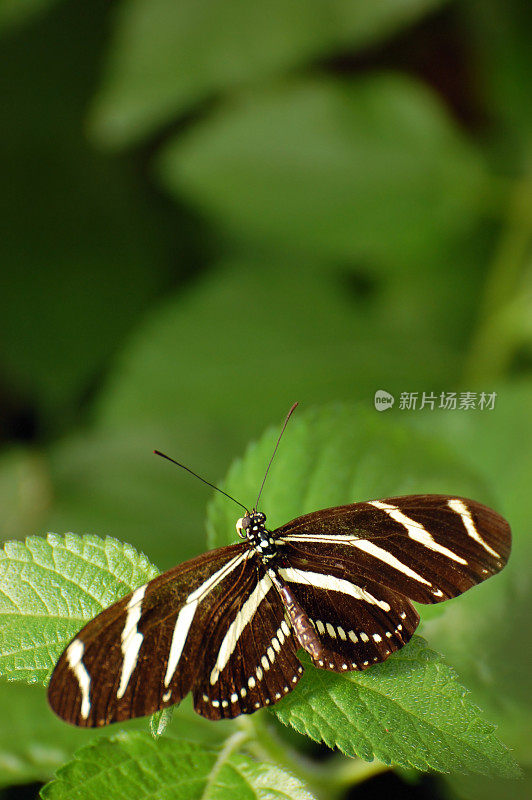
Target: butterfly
x,y
227,625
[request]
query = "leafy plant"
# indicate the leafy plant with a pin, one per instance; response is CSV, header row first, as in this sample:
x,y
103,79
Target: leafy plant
x,y
410,711
216,208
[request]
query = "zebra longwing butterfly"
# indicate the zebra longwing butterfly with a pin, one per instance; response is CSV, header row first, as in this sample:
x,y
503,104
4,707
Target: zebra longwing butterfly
x,y
227,625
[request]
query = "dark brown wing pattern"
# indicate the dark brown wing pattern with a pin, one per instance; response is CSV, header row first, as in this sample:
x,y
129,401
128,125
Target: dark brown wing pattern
x,y
249,653
426,547
142,653
227,625
358,622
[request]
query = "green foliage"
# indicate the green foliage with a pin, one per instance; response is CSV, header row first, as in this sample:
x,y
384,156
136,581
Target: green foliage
x,y
24,492
110,482
84,244
409,711
18,12
358,141
229,314
347,207
33,743
133,765
494,620
167,56
50,588
339,454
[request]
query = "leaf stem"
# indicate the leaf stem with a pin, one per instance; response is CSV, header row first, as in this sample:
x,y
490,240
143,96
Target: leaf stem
x,y
327,780
232,743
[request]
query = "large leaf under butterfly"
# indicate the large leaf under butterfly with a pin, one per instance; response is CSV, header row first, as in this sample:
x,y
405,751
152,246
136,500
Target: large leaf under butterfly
x,y
227,625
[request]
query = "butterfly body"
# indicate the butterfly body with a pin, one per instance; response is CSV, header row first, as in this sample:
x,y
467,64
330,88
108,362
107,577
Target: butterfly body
x,y
228,624
253,528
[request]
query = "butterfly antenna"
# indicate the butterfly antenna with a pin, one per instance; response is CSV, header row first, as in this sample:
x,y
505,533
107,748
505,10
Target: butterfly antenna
x,y
275,450
163,455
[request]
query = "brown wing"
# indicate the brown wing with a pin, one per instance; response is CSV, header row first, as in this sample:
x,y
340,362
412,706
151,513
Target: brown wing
x,y
358,622
249,653
143,653
427,547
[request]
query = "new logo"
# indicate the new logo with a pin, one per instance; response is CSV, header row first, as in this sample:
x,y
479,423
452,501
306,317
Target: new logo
x,y
383,400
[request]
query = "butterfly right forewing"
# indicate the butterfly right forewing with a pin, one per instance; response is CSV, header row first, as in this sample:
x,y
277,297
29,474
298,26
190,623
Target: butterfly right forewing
x,y
427,547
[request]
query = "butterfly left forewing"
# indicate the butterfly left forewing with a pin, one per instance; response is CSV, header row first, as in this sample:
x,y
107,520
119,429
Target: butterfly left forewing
x,y
427,547
141,654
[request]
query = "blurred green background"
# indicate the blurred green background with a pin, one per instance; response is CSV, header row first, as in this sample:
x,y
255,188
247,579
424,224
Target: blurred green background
x,y
212,209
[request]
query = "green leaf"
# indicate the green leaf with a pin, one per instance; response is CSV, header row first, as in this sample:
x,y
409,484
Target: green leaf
x,y
54,253
338,454
135,766
34,742
350,159
315,356
494,620
166,56
502,48
160,720
50,587
341,454
469,787
409,711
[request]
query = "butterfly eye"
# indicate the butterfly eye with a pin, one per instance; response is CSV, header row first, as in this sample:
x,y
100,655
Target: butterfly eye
x,y
243,524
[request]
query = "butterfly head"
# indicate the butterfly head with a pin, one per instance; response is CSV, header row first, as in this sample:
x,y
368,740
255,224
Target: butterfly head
x,y
253,528
250,524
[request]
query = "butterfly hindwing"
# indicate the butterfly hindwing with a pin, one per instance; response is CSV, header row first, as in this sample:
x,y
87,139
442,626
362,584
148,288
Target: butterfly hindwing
x,y
142,653
249,651
427,547
358,622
